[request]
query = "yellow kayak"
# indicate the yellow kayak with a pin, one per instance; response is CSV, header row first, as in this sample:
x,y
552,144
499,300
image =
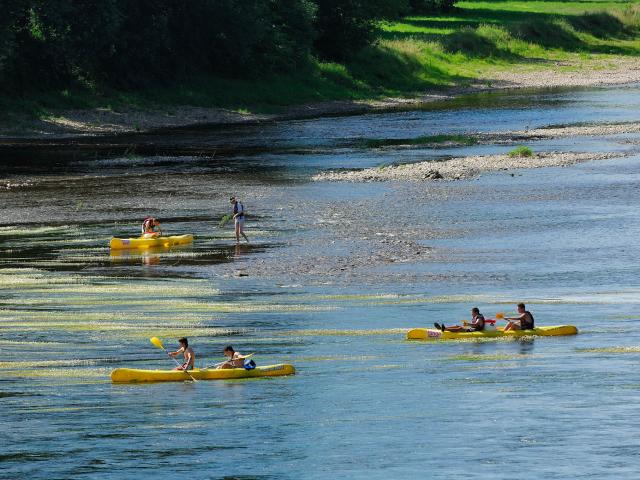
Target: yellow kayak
x,y
433,334
133,375
149,242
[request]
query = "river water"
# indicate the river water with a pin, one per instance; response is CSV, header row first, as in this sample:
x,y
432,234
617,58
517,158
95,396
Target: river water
x,y
333,277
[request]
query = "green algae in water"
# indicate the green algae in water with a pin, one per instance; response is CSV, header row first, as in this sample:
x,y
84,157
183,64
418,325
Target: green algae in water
x,y
49,243
503,365
180,307
628,349
81,408
340,358
507,339
53,363
386,367
25,343
71,373
425,140
22,231
486,357
391,299
359,296
344,333
123,331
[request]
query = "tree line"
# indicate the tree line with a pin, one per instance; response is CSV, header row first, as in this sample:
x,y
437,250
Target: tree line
x,y
48,44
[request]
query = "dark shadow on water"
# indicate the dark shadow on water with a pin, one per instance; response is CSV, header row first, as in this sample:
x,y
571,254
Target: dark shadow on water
x,y
526,346
191,256
19,394
47,251
23,457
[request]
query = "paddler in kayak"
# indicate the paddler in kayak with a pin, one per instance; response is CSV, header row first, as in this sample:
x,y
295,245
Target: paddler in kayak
x,y
524,320
151,228
236,359
476,324
188,353
238,218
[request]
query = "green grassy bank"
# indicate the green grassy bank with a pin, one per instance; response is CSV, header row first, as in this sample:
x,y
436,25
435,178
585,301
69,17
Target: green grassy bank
x,y
416,54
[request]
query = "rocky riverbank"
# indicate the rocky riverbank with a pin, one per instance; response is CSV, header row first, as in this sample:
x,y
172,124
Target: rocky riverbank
x,y
461,167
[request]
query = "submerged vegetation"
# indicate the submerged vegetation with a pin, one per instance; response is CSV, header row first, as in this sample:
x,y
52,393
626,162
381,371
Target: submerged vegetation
x,y
423,140
74,304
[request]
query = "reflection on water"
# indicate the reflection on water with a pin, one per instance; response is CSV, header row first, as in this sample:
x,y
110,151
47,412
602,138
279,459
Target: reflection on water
x,y
148,256
333,277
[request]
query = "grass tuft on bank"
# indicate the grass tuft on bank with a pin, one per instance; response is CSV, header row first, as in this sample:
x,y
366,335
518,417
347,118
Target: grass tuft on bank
x,y
520,152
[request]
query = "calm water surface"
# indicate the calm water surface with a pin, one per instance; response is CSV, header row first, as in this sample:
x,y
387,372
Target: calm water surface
x,y
333,278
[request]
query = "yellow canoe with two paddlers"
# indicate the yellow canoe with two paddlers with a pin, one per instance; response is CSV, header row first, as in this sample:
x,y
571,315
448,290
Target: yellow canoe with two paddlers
x,y
547,331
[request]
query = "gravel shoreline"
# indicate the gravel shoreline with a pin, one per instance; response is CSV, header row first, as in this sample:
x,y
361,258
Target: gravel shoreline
x,y
504,138
577,130
603,71
461,167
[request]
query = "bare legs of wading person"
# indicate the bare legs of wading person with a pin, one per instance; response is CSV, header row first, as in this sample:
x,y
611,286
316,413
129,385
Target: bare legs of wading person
x,y
240,230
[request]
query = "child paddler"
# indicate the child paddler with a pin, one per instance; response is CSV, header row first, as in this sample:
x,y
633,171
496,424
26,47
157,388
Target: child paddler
x,y
187,352
476,325
151,228
524,320
236,359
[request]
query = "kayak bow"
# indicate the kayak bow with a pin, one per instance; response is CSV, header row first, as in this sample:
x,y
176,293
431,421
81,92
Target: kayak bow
x,y
433,334
133,375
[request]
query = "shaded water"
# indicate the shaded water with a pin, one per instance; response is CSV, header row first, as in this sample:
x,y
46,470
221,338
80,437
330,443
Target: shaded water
x,y
334,276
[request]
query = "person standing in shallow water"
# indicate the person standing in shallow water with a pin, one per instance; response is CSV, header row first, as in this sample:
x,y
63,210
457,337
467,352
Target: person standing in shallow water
x,y
238,218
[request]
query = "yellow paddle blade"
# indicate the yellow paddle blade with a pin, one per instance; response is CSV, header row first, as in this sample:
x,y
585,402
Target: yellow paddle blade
x,y
500,316
157,342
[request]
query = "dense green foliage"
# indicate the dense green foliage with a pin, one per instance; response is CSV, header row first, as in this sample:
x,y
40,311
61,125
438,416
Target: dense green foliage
x,y
53,43
430,6
346,26
47,44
